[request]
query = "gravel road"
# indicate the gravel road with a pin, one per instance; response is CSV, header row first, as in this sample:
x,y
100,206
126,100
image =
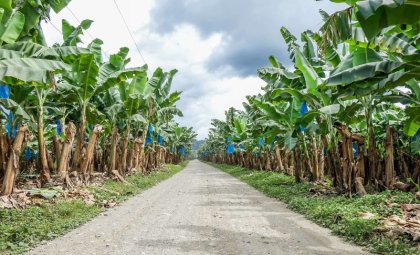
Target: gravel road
x,y
200,210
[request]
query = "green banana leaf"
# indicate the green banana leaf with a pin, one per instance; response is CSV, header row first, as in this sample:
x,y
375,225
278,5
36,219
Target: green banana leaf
x,y
11,29
20,71
375,15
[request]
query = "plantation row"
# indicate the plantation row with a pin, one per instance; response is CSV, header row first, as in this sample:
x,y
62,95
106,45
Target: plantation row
x,y
348,109
66,112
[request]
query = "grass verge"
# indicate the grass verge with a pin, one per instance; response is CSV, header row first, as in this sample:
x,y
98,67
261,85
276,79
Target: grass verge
x,y
339,213
21,229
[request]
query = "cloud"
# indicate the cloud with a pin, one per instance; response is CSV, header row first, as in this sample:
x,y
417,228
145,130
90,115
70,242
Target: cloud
x,y
250,29
206,94
216,45
218,96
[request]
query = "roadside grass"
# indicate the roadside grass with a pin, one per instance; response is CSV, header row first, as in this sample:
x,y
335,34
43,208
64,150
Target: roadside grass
x,y
337,212
21,229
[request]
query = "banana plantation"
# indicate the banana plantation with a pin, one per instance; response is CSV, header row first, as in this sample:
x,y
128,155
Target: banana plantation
x,y
70,112
334,132
347,110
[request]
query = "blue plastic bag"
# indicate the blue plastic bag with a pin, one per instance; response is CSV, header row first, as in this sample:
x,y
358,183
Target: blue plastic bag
x,y
230,149
261,142
150,129
4,91
416,136
58,128
149,140
11,130
160,139
28,154
355,150
303,111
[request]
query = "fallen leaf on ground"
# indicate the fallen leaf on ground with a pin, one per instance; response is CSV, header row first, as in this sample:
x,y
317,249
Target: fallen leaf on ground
x,y
409,224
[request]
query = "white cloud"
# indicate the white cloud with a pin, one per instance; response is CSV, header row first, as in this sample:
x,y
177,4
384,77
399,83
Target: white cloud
x,y
193,38
205,95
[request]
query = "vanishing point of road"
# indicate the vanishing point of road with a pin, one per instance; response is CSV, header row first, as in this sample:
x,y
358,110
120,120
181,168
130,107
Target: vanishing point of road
x,y
200,210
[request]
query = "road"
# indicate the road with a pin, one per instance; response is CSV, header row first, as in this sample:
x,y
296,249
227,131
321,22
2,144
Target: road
x,y
200,210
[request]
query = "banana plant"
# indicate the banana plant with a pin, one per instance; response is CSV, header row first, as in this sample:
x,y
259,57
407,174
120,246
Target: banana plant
x,y
74,84
21,20
133,97
359,78
90,77
19,71
18,59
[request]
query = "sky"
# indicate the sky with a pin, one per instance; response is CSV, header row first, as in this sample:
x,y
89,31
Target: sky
x,y
216,45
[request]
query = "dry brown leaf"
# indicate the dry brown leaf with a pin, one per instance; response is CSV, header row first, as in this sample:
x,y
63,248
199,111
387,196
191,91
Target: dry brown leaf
x,y
409,224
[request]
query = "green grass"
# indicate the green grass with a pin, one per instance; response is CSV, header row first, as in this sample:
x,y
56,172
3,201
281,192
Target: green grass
x,y
21,229
339,213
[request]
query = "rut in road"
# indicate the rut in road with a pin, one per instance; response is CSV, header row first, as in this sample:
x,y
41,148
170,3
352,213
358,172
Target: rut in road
x,y
200,210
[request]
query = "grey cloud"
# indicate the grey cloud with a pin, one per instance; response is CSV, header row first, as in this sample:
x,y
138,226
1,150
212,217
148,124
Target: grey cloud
x,y
245,57
250,28
250,33
195,91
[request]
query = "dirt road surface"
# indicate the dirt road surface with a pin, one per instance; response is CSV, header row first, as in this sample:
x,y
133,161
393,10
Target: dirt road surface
x,y
200,210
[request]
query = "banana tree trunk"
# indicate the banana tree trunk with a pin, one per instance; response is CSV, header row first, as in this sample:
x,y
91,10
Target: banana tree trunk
x,y
45,170
360,165
287,162
3,150
315,165
296,164
58,146
104,157
163,155
307,158
321,161
347,158
130,155
138,156
123,168
389,157
416,171
268,160
336,170
157,156
279,159
90,151
135,153
142,158
65,152
353,171
403,164
77,158
79,143
372,151
113,151
328,171
146,162
12,167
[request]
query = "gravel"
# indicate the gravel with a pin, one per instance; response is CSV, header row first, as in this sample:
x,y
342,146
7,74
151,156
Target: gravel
x,y
200,210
